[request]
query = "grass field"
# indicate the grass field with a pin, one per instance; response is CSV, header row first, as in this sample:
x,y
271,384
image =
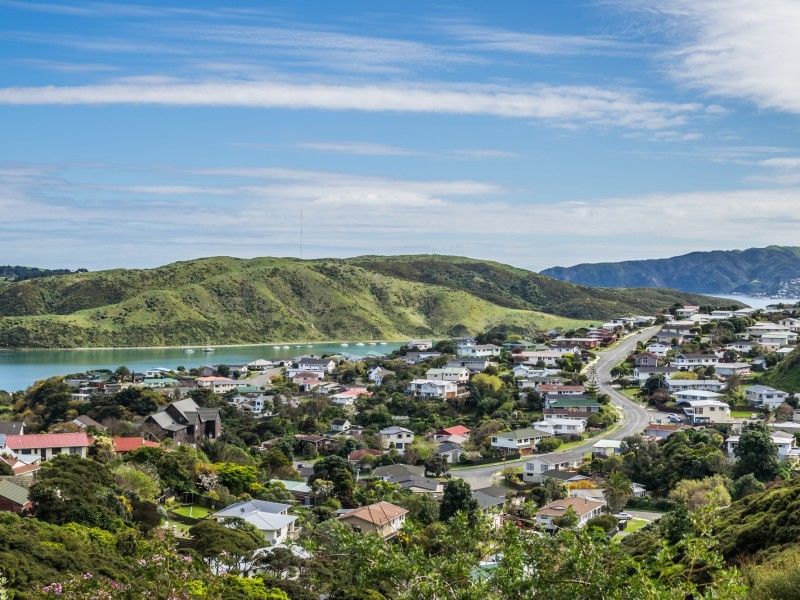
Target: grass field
x,y
192,511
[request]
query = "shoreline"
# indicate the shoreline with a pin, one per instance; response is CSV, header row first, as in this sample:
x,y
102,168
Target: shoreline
x,y
199,347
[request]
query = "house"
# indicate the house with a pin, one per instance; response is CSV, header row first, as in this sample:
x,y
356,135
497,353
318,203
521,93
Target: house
x,y
300,490
705,412
459,430
312,363
558,426
396,437
419,345
741,346
159,383
585,509
642,374
548,390
260,365
454,374
659,350
571,404
764,396
545,358
85,422
272,519
645,359
429,388
349,396
584,343
357,456
451,451
791,324
340,425
384,518
305,380
732,369
537,465
411,478
686,362
565,477
687,310
46,446
678,385
491,502
12,428
124,445
317,442
661,431
785,442
690,394
414,358
607,447
473,365
518,440
479,351
672,338
217,384
761,328
378,374
14,495
184,421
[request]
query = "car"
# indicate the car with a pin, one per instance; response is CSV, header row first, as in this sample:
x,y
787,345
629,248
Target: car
x,y
623,516
674,418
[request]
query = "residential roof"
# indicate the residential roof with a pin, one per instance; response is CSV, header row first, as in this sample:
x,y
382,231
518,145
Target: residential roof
x,y
764,389
378,514
47,440
523,433
398,471
240,508
455,430
392,429
87,421
564,476
13,492
572,402
357,455
11,427
487,500
129,444
607,444
582,506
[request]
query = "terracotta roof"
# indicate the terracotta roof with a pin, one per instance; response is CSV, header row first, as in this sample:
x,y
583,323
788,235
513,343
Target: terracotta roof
x,y
130,444
379,513
362,452
47,440
582,506
455,430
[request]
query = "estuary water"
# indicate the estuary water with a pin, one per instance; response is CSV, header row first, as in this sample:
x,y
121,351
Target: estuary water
x,y
20,368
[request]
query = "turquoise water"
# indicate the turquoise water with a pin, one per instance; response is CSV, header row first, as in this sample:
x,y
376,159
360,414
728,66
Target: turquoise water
x,y
20,368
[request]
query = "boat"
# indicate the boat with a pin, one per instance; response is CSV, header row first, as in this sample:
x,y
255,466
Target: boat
x,y
208,349
190,351
276,347
360,344
383,343
286,347
345,345
373,343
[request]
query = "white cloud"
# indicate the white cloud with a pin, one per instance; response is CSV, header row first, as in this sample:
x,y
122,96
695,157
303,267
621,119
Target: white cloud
x,y
360,148
567,105
736,49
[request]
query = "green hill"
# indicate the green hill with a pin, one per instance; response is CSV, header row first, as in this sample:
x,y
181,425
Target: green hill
x,y
786,374
230,300
770,270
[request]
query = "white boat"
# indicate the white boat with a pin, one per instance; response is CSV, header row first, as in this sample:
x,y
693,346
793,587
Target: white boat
x,y
345,345
383,343
276,347
190,351
360,344
286,346
373,343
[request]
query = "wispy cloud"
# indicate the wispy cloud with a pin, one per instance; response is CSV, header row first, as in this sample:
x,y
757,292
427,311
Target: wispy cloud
x,y
734,49
496,39
372,149
565,105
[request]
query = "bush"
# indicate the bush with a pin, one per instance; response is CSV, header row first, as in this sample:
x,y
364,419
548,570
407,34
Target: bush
x,y
549,444
607,523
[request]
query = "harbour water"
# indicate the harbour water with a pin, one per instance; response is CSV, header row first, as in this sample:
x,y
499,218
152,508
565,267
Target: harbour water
x,y
20,368
758,301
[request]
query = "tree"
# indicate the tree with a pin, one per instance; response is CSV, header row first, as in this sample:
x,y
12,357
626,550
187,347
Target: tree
x,y
756,453
568,520
436,465
746,485
228,544
138,481
549,444
339,472
607,523
223,370
618,490
487,385
457,498
696,493
122,373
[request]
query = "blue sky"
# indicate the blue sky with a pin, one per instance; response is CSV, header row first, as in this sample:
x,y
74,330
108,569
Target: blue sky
x,y
533,133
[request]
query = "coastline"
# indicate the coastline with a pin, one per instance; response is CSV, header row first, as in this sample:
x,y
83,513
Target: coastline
x,y
199,347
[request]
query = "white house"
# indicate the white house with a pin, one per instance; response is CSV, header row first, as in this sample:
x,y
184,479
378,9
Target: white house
x,y
764,396
726,369
348,397
741,346
378,374
219,385
396,437
312,363
518,440
47,445
764,327
791,323
454,374
785,443
686,362
430,388
679,385
479,351
686,395
532,473
777,339
658,349
704,412
271,518
584,507
560,426
607,447
419,345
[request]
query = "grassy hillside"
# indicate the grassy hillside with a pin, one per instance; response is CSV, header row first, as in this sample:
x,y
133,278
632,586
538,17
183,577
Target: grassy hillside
x,y
229,300
786,374
767,270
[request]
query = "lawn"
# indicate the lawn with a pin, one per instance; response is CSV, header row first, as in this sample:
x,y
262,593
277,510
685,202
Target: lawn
x,y
741,414
633,525
193,511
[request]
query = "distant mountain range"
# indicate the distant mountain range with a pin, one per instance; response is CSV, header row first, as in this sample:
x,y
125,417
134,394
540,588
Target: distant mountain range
x,y
774,271
228,300
17,273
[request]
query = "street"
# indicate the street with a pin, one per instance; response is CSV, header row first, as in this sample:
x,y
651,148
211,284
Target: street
x,y
634,418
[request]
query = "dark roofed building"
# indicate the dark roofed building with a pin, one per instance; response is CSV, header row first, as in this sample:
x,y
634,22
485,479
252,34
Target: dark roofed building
x,y
185,421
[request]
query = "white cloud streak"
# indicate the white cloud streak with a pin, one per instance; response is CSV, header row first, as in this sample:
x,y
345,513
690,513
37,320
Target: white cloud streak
x,y
568,105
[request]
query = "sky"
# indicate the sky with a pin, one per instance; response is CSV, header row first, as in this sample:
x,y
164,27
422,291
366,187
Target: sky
x,y
532,133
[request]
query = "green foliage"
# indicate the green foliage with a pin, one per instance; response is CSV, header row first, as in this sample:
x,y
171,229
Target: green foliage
x,y
568,520
777,578
457,498
746,485
340,473
697,493
786,374
232,300
618,490
549,444
756,453
606,523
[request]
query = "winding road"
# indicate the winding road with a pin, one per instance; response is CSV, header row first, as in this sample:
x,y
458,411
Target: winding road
x,y
634,418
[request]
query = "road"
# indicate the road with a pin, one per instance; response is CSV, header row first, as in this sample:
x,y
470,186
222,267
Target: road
x,y
634,418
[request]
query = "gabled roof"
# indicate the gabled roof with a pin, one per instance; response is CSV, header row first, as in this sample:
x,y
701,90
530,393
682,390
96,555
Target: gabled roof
x,y
242,508
380,513
455,430
130,444
582,506
11,427
47,440
13,492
